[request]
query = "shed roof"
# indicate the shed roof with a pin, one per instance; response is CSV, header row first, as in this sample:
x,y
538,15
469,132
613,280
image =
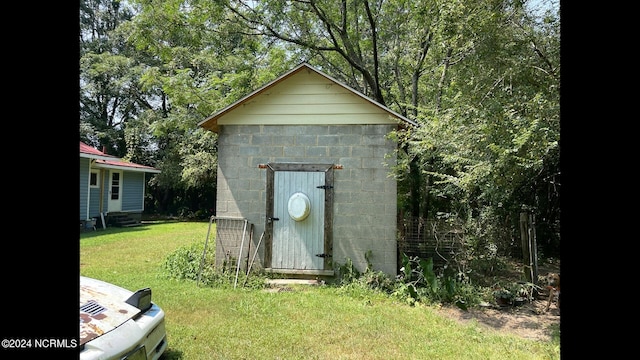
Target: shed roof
x,y
211,123
103,160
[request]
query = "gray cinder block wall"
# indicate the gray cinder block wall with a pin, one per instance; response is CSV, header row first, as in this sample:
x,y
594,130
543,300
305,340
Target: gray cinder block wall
x,y
364,194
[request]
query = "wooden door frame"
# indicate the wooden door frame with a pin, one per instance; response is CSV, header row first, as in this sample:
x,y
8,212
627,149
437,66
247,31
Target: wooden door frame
x,y
328,211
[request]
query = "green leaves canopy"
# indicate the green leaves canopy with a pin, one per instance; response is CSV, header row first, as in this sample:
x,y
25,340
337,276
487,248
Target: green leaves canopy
x,y
481,77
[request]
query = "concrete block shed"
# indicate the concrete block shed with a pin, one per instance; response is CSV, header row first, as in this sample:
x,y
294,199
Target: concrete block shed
x,y
305,160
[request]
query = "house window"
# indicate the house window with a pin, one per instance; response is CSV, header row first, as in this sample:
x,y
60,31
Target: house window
x,y
93,180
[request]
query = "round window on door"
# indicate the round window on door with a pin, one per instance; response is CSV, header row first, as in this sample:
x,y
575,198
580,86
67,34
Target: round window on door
x,y
299,206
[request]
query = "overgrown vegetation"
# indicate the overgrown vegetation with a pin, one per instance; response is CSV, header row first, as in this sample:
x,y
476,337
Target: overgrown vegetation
x,y
185,263
419,281
192,263
218,321
482,78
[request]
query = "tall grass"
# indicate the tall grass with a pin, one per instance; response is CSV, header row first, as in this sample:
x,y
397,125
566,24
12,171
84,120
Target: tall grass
x,y
324,322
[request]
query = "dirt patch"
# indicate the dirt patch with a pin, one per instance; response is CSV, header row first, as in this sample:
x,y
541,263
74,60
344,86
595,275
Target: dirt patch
x,y
529,321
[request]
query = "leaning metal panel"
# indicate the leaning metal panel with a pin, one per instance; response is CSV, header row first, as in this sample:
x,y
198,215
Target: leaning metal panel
x,y
232,242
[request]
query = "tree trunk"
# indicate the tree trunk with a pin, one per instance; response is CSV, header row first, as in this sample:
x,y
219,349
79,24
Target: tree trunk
x,y
529,253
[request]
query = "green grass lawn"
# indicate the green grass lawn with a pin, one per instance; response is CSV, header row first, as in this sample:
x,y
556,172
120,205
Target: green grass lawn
x,y
324,322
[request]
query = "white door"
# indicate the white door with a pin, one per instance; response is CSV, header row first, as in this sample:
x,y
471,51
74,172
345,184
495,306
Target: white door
x,y
298,226
115,191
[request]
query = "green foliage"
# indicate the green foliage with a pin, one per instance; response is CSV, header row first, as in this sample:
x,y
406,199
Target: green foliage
x,y
491,146
347,272
482,79
185,263
350,277
419,282
515,293
484,259
205,320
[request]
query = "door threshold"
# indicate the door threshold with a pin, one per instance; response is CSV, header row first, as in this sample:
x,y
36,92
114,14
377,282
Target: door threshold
x,y
300,272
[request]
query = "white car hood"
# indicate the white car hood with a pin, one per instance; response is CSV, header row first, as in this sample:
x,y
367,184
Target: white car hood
x,y
102,308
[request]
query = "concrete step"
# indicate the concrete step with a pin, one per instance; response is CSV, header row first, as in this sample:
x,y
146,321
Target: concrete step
x,y
283,285
284,282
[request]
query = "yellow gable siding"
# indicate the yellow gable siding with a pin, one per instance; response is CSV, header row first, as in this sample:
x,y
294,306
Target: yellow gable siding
x,y
306,98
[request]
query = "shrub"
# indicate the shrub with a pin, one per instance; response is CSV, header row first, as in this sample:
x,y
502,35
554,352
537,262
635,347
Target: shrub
x,y
420,282
185,262
369,279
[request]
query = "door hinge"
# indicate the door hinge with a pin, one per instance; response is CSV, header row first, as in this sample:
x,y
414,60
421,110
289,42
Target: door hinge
x,y
324,255
325,187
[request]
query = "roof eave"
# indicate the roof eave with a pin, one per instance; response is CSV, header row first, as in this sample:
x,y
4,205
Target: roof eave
x,y
98,157
128,168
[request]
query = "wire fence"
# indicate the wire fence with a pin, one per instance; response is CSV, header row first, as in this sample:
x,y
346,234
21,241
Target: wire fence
x,y
436,239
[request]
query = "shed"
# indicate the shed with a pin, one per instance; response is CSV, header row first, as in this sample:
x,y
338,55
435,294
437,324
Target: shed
x,y
305,160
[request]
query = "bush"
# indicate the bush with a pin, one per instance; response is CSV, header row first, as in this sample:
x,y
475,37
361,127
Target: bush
x,y
184,263
419,282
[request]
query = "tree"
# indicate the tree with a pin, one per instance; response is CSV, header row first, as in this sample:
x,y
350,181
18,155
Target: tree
x,y
109,96
496,140
480,77
126,107
195,63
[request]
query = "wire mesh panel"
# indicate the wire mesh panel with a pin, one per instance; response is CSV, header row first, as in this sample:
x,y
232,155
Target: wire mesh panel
x,y
232,243
438,240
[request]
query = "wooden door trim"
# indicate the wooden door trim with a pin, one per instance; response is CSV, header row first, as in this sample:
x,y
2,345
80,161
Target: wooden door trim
x,y
328,206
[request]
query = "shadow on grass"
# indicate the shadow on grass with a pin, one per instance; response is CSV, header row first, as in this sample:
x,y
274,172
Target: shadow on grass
x,y
144,225
112,230
171,354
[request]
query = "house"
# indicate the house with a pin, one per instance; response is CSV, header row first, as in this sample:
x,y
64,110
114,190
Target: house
x,y
111,189
305,160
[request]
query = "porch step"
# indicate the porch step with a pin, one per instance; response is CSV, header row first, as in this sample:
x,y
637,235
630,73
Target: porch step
x,y
122,220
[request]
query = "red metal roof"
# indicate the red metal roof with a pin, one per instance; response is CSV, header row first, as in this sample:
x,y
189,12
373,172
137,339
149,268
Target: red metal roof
x,y
86,149
111,161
